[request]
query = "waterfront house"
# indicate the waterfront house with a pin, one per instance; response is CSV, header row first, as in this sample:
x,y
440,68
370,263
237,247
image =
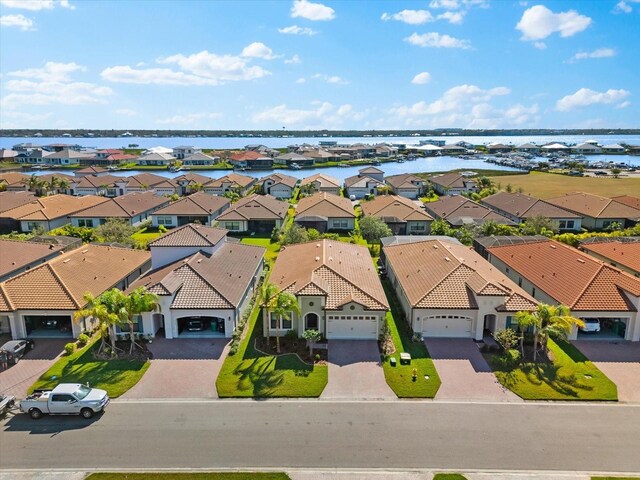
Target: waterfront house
x,y
106,185
319,155
232,182
14,181
134,208
337,287
519,207
406,185
278,185
293,158
321,183
358,186
251,160
185,151
555,147
200,159
614,148
199,207
454,150
402,215
156,159
457,211
372,172
453,184
190,182
498,148
447,290
254,214
142,182
42,301
94,170
528,148
325,212
586,149
598,213
66,157
555,273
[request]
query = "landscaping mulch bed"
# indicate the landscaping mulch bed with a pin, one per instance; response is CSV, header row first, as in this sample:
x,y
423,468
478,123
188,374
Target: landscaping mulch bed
x,y
296,346
141,352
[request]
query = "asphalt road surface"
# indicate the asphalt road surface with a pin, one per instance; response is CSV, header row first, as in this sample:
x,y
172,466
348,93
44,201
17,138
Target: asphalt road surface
x,y
313,434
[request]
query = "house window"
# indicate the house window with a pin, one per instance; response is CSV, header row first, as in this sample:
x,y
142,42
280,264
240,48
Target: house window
x,y
137,325
606,223
533,292
164,220
510,323
417,227
233,226
31,226
520,281
566,224
285,324
111,192
340,224
85,222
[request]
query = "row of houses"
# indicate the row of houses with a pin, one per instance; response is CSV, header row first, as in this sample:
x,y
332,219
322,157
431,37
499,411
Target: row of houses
x,y
590,147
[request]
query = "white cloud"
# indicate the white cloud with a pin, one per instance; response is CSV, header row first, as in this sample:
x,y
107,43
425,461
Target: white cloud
x,y
35,5
452,17
296,30
23,119
447,4
258,50
188,119
540,45
434,39
127,112
599,53
585,97
538,22
412,17
294,60
202,68
623,7
301,80
312,11
335,79
52,72
20,21
421,78
623,104
322,115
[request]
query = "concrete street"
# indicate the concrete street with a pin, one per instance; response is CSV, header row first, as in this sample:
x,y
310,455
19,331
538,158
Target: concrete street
x,y
324,434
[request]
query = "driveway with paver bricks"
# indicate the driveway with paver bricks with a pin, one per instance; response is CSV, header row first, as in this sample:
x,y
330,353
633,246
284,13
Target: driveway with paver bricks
x,y
182,368
355,371
17,379
464,373
619,360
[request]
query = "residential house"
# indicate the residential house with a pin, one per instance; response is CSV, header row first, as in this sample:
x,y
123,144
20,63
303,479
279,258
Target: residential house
x,y
337,287
498,148
150,181
91,170
10,200
105,185
200,158
360,185
254,214
586,149
251,160
628,200
406,185
278,185
385,151
14,181
457,211
519,207
325,212
199,207
263,150
183,152
321,183
614,148
597,212
112,157
555,147
528,148
319,155
372,172
35,156
402,215
620,252
134,208
454,150
18,256
158,149
41,302
453,184
555,273
158,159
45,213
447,290
191,182
294,158
66,157
56,183
232,182
8,155
200,276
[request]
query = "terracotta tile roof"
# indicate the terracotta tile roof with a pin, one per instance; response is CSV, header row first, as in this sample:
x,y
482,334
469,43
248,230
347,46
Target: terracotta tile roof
x,y
54,206
404,181
361,181
524,206
191,178
628,200
342,271
369,170
202,281
199,203
91,170
246,156
569,276
451,180
440,274
61,283
145,180
280,179
124,206
392,206
97,181
191,235
621,253
595,206
459,210
239,181
325,181
15,255
256,207
323,204
11,200
13,178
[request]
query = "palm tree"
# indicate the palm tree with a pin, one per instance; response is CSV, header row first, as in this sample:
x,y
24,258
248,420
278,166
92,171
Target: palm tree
x,y
137,302
548,321
99,310
32,183
63,184
285,303
269,294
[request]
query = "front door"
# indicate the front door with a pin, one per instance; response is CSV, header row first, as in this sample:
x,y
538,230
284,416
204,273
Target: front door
x,y
311,321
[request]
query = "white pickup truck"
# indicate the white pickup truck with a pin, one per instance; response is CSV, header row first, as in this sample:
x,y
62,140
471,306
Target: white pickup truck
x,y
66,399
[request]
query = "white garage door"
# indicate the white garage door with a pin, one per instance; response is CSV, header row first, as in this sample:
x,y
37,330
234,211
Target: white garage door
x,y
360,327
446,326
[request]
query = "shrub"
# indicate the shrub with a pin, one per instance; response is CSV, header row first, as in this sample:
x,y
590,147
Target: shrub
x,y
83,339
70,348
162,229
291,335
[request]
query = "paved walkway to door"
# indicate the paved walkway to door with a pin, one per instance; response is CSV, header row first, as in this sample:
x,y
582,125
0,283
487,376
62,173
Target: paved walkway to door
x,y
464,372
619,360
182,368
355,371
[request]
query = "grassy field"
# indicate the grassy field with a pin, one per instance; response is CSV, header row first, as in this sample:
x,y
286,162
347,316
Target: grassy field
x,y
114,376
189,476
449,476
399,378
548,185
272,248
570,377
146,235
250,373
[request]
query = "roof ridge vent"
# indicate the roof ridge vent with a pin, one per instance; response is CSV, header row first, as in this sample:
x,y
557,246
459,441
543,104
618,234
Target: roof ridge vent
x,y
447,259
581,260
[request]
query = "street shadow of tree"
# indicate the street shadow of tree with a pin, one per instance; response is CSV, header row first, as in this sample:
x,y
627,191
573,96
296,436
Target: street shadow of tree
x,y
548,374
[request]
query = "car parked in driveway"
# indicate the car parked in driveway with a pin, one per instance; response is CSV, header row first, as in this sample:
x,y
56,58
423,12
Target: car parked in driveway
x,y
17,348
591,325
66,399
195,325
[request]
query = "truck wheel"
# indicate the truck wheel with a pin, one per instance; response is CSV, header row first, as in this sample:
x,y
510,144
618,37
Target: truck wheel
x,y
86,413
35,413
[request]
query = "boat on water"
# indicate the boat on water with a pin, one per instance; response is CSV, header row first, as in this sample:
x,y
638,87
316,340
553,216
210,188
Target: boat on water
x,y
295,166
113,168
173,168
376,163
343,165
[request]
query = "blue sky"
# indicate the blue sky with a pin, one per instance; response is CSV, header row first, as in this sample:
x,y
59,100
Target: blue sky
x,y
308,65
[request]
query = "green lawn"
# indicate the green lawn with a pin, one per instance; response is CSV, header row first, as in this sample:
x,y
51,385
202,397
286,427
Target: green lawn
x,y
114,376
615,478
250,373
399,378
146,235
571,377
190,476
272,248
449,476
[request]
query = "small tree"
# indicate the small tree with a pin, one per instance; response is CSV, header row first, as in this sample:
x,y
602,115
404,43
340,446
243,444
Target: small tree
x,y
373,229
507,338
539,225
137,302
116,230
616,172
311,336
295,234
285,304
